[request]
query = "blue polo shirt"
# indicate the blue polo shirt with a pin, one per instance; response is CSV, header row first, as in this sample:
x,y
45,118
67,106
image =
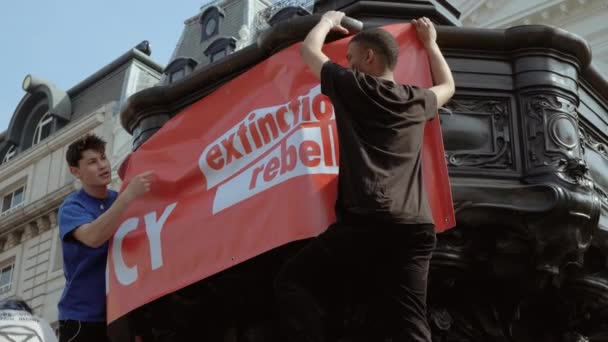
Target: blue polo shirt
x,y
84,295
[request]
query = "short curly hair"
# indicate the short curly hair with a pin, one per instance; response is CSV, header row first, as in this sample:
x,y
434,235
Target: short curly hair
x,y
88,142
381,42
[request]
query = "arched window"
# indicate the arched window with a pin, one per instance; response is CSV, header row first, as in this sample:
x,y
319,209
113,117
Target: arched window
x,y
12,151
43,129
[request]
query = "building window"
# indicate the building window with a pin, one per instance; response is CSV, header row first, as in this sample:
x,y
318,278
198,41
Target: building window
x,y
220,48
218,55
43,129
210,22
13,200
179,68
12,151
6,276
177,75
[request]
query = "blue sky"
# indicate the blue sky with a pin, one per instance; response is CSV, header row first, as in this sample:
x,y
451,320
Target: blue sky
x,y
65,41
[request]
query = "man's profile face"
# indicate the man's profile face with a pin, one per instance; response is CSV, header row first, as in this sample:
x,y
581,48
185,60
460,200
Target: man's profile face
x,y
361,58
356,56
93,168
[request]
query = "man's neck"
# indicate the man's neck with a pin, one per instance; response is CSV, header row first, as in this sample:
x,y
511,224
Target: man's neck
x,y
384,75
100,191
388,75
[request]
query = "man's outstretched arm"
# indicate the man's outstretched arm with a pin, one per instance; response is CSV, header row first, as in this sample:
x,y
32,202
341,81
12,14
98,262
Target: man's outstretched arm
x,y
443,81
99,231
311,50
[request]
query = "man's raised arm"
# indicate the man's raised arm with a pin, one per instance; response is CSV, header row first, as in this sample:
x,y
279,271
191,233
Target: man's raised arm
x,y
443,81
311,50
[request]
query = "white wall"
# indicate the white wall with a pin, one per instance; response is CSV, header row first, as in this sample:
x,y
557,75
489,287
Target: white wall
x,y
586,18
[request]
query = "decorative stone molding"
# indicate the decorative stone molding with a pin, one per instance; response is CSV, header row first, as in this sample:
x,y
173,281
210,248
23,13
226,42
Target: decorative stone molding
x,y
13,238
27,223
488,144
31,211
43,223
52,215
553,138
28,230
261,21
31,230
596,155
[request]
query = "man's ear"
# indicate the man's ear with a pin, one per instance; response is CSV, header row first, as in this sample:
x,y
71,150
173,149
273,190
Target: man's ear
x,y
369,56
75,171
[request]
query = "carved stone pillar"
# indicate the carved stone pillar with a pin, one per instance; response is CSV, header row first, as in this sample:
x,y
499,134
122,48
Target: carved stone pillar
x,y
552,137
554,160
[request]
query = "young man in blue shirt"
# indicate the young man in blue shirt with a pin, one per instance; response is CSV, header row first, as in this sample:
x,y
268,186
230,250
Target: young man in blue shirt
x,y
88,218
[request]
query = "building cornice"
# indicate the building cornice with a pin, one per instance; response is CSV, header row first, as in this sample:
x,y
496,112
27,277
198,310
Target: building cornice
x,y
33,218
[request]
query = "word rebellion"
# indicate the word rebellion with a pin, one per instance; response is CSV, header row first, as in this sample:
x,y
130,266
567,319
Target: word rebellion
x,y
272,145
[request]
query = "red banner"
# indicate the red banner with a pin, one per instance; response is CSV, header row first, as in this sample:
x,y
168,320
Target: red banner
x,y
250,167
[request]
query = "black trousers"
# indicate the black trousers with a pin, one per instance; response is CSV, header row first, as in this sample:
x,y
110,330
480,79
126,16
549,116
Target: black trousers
x,y
80,331
393,259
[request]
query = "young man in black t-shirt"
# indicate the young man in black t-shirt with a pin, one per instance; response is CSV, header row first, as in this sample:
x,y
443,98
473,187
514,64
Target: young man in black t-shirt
x,y
384,229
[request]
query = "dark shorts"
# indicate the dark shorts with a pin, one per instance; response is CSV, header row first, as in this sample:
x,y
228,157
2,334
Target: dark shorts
x,y
81,331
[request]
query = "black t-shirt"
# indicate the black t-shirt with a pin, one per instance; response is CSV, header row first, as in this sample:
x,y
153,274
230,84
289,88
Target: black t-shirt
x,y
381,128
